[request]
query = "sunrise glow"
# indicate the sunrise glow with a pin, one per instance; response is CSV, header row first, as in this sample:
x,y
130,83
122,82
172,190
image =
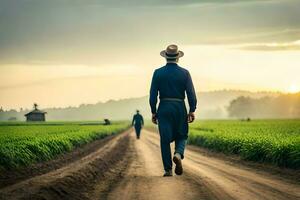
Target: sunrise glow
x,y
294,89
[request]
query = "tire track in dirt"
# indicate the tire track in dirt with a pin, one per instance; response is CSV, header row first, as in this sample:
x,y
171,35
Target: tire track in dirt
x,y
143,179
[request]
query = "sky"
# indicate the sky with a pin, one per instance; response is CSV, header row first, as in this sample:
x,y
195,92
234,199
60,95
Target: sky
x,y
62,53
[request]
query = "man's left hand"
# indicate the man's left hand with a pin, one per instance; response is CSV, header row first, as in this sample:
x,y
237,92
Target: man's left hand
x,y
154,119
191,117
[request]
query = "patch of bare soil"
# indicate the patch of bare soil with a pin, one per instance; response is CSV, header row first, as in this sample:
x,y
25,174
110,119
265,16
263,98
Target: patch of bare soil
x,y
292,175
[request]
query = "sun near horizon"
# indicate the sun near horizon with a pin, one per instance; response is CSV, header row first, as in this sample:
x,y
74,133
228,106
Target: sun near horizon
x,y
293,89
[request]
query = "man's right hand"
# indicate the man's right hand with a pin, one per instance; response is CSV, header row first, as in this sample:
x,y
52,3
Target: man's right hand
x,y
154,119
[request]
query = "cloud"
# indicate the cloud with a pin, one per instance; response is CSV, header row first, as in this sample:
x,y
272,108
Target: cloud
x,y
289,46
90,32
263,36
129,3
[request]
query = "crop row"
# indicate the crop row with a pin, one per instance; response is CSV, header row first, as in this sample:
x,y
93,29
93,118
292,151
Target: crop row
x,y
272,141
24,145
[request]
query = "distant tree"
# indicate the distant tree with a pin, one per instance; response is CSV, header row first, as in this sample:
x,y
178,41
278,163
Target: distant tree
x,y
239,107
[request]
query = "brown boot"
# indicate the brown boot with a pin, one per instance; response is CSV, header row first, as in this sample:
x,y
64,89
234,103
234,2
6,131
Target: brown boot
x,y
177,161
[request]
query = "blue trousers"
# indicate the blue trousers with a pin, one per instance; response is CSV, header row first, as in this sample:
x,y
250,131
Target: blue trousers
x,y
172,125
166,152
138,130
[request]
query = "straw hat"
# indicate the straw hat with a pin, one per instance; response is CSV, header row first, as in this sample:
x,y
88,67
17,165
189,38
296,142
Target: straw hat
x,y
171,52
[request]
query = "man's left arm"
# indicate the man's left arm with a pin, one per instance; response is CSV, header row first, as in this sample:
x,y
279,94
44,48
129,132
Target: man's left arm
x,y
192,99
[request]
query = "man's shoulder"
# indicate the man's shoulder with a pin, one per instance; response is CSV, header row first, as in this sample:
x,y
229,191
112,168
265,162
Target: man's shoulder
x,y
160,69
163,69
138,116
183,69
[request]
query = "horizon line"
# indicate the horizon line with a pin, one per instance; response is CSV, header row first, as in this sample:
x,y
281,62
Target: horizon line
x,y
127,98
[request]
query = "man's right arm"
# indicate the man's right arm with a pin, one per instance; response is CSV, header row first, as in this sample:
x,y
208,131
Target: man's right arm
x,y
153,96
133,119
153,93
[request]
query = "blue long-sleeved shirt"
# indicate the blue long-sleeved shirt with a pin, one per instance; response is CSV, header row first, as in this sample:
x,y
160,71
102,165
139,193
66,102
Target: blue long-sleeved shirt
x,y
172,81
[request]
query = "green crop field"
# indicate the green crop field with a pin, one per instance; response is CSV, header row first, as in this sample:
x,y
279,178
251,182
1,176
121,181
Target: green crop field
x,y
22,144
272,141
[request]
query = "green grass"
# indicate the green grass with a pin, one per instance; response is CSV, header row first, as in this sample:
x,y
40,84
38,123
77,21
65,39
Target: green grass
x,y
22,144
272,141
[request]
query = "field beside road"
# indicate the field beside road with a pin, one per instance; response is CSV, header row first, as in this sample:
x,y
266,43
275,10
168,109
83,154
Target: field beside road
x,y
106,165
22,144
272,141
122,167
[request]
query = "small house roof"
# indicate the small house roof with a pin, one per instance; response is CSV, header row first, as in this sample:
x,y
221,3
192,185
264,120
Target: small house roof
x,y
36,111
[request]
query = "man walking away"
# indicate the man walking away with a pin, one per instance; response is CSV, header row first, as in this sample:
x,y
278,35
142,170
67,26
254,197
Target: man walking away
x,y
172,82
138,122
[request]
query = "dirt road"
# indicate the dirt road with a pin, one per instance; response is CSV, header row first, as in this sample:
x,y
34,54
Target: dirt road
x,y
126,168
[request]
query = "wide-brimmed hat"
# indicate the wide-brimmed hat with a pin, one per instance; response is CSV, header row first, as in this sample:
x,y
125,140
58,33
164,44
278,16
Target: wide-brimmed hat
x,y
171,52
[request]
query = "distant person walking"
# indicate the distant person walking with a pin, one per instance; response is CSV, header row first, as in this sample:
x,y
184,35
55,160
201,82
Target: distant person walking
x,y
138,123
172,82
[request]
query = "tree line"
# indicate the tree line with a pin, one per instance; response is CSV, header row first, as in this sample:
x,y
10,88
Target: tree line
x,y
282,106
